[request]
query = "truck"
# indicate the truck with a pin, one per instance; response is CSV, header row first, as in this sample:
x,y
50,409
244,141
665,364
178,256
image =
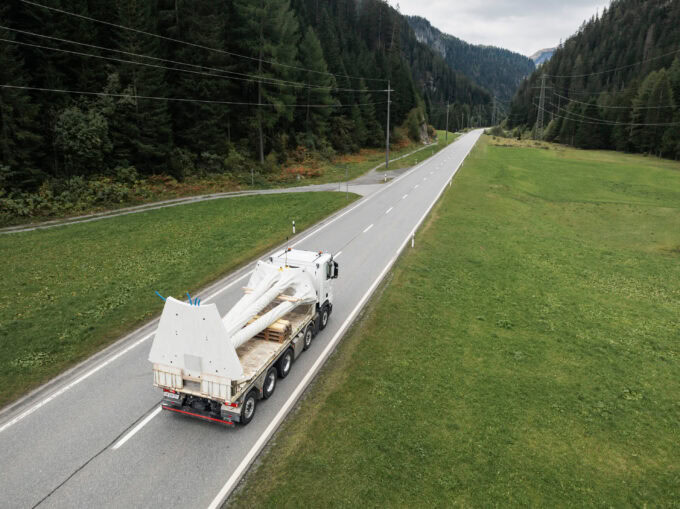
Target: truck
x,y
219,369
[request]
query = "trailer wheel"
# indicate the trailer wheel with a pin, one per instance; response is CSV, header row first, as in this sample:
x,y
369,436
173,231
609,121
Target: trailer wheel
x,y
285,362
249,404
269,383
307,338
323,321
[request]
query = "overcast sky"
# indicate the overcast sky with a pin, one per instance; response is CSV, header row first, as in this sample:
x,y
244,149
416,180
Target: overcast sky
x,y
520,25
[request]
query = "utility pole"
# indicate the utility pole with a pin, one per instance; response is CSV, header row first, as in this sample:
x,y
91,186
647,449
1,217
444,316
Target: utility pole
x,y
541,109
387,142
446,136
462,120
493,113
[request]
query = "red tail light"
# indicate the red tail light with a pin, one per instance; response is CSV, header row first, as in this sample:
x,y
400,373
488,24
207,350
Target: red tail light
x,y
169,390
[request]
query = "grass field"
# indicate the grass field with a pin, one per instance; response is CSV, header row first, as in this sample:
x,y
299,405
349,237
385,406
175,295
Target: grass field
x,y
525,353
67,292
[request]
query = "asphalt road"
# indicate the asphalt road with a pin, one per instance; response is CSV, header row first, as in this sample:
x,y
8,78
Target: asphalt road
x,y
96,437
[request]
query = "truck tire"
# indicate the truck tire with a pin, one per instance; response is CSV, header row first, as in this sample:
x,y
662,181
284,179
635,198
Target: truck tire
x,y
307,337
285,363
269,383
249,405
323,318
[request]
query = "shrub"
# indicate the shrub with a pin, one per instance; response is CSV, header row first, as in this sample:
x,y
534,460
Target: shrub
x,y
182,163
126,174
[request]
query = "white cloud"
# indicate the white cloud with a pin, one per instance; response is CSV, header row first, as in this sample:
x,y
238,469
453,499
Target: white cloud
x,y
518,25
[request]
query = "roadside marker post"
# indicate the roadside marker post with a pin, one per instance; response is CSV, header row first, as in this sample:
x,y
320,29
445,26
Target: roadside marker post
x,y
293,227
413,240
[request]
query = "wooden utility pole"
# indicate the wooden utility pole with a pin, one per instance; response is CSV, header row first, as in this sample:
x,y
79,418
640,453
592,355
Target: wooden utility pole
x,y
446,136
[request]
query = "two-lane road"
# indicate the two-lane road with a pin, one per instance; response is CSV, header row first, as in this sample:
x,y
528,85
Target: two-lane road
x,y
97,438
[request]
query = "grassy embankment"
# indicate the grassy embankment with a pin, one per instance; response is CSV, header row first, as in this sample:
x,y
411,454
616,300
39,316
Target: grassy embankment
x,y
525,353
69,291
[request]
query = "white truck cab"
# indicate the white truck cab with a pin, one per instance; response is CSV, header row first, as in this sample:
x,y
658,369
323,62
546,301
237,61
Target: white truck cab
x,y
323,270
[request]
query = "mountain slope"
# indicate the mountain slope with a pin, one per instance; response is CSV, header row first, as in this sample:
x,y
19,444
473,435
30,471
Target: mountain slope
x,y
614,84
542,55
498,70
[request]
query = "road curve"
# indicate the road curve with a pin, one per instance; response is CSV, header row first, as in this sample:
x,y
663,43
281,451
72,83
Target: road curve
x,y
96,438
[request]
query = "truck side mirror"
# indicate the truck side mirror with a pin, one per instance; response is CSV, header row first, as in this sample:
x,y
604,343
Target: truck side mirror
x,y
335,270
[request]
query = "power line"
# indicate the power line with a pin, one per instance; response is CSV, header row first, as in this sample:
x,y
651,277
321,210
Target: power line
x,y
613,69
254,79
604,122
182,99
200,46
617,107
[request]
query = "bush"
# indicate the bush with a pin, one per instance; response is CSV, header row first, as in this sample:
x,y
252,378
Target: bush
x,y
126,174
182,163
210,163
413,122
496,131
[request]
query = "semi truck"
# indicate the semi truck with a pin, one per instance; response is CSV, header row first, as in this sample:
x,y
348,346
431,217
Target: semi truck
x,y
219,368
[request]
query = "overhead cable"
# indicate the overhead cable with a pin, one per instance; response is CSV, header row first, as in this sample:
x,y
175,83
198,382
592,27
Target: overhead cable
x,y
182,99
613,69
255,78
200,46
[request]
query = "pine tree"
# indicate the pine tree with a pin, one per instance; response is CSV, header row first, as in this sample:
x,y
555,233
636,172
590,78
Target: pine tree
x,y
152,143
314,121
659,116
267,31
20,141
674,77
590,133
200,127
640,135
570,124
375,134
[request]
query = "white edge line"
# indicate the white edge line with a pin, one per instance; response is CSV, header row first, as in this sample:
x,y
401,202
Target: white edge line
x,y
281,414
389,210
108,361
75,382
404,197
368,228
139,426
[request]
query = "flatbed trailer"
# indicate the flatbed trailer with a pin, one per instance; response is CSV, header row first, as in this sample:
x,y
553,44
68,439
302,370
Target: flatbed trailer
x,y
193,389
259,357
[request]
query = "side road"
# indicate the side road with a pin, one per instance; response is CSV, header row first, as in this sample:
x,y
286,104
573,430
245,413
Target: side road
x,y
362,185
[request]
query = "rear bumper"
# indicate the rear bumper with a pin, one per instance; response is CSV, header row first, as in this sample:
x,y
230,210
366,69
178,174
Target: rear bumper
x,y
199,414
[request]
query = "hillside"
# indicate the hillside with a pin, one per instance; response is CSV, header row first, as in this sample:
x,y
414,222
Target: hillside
x,y
192,88
614,84
542,56
498,70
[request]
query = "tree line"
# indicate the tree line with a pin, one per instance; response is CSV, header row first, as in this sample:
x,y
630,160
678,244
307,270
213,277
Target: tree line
x,y
615,84
315,76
